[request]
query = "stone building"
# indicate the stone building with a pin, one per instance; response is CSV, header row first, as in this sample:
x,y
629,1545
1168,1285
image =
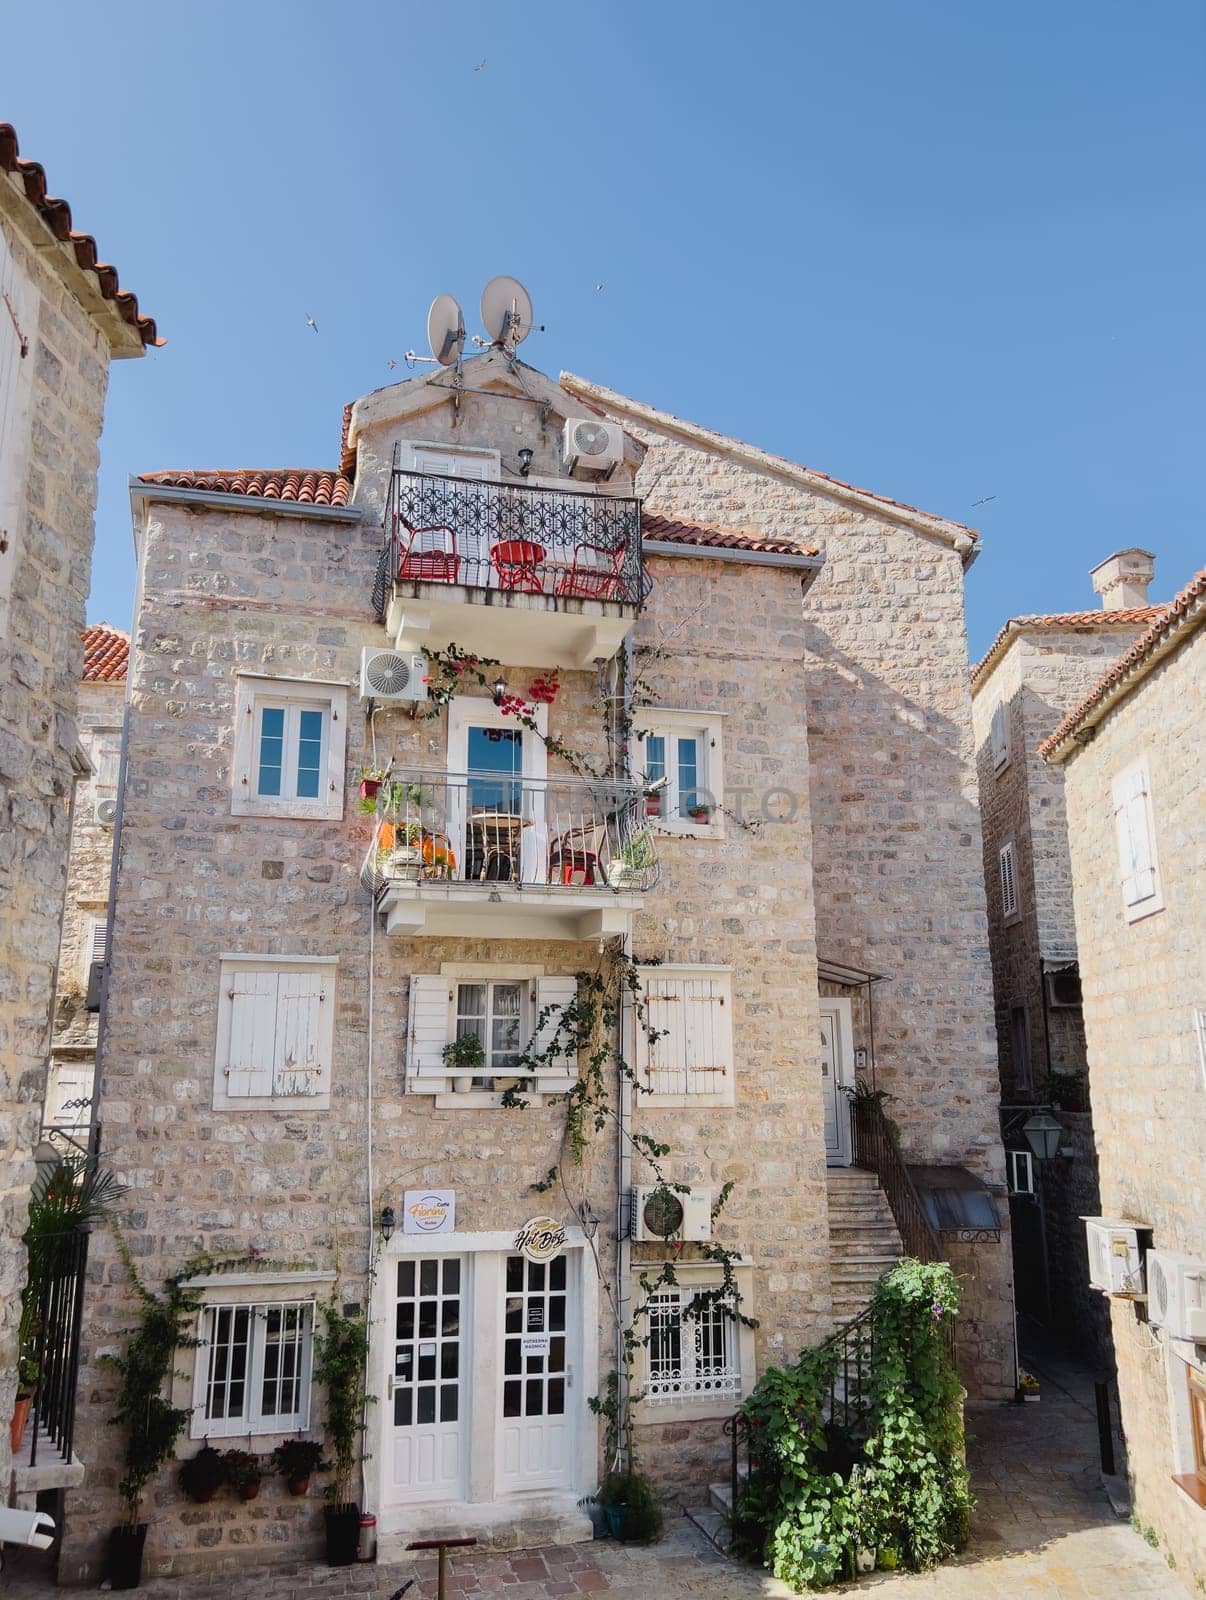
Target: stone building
x,y
1131,757
719,754
63,318
1036,669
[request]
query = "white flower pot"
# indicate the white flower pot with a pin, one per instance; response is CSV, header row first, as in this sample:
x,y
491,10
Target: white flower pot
x,y
619,874
463,1083
864,1560
404,861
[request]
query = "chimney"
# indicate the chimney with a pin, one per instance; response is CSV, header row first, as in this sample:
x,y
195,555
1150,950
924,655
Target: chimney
x,y
1122,579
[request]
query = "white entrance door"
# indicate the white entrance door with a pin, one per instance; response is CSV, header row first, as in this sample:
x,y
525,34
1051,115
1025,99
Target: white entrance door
x,y
536,1430
429,1381
835,1075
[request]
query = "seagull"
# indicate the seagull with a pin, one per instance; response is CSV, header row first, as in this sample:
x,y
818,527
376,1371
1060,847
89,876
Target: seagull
x,y
391,365
983,502
310,322
480,65
598,288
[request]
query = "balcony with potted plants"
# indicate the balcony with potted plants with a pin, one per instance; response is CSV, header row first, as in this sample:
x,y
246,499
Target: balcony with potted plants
x,y
537,576
458,854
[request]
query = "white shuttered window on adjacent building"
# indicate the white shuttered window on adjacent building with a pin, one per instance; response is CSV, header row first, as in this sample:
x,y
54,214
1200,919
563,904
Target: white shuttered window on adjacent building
x,y
517,1014
683,1045
252,1372
1135,827
1008,864
1000,735
275,1032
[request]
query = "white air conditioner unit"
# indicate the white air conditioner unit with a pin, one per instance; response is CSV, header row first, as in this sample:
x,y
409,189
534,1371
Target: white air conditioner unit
x,y
1176,1294
661,1216
105,812
1019,1168
592,446
388,675
1115,1265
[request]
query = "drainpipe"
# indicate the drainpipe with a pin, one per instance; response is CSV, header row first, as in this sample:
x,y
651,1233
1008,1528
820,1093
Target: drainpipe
x,y
624,1122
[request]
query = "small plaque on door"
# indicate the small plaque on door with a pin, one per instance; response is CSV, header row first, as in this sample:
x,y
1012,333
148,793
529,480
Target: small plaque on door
x,y
535,1344
536,1316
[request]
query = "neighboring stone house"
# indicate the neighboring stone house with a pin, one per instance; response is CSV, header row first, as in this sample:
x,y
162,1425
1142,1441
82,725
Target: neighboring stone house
x,y
67,1116
762,808
63,318
1034,672
1131,754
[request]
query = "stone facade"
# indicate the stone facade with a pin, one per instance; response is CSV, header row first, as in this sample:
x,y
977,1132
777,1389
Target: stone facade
x,y
1143,982
54,371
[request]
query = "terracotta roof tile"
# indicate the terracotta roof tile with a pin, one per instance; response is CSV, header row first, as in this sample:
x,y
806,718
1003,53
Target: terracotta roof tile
x,y
305,486
1173,623
672,530
106,653
56,214
1063,622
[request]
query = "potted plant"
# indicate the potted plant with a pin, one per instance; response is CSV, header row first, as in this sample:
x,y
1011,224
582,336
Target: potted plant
x,y
633,859
202,1475
1028,1385
630,1506
244,1473
465,1060
699,813
371,779
296,1460
404,853
340,1353
653,803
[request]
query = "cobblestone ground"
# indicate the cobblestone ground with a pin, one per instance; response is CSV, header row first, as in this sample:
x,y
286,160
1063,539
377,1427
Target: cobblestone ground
x,y
1043,1528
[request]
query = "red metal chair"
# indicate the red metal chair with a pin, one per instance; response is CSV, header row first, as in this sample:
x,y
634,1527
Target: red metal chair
x,y
515,561
595,573
423,560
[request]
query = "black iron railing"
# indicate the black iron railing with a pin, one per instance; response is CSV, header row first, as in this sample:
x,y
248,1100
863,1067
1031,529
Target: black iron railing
x,y
877,1151
53,1347
511,538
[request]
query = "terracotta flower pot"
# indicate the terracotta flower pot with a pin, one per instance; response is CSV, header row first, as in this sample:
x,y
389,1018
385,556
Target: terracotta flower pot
x,y
369,787
298,1486
249,1491
21,1407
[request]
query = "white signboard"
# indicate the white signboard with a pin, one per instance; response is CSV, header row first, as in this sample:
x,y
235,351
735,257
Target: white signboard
x,y
535,1344
540,1239
429,1211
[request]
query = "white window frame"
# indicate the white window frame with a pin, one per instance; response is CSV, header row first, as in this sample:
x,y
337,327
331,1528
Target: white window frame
x,y
526,1018
1135,832
1017,1163
714,1088
999,735
253,694
723,1400
1007,870
708,728
436,1081
414,456
320,1098
253,1424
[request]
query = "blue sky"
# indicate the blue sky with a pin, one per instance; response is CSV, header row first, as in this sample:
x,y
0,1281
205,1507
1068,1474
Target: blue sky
x,y
943,250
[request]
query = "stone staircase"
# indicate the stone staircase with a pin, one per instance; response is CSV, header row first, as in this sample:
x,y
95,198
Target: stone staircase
x,y
863,1239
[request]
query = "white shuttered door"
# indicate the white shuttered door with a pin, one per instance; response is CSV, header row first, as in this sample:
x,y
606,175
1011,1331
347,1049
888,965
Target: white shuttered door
x,y
427,1033
251,1058
1136,848
297,1060
552,997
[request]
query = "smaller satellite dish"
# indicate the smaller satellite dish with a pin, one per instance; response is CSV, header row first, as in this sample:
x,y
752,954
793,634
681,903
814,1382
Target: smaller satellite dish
x,y
507,311
445,330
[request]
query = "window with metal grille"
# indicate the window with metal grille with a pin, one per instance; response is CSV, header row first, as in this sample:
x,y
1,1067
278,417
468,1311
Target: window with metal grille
x,y
692,1353
1008,861
253,1369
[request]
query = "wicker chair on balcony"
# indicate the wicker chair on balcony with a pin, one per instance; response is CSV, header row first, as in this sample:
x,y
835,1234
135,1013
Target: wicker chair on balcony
x,y
574,855
595,573
430,554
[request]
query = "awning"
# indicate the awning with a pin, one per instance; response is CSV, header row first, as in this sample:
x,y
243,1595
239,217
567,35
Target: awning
x,y
850,977
1059,958
957,1202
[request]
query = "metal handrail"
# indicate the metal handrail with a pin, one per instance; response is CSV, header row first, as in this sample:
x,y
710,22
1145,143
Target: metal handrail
x,y
56,1342
878,1152
512,538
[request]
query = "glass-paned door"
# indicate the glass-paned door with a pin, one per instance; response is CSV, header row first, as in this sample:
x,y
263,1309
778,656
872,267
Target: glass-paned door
x,y
536,1430
428,1385
498,816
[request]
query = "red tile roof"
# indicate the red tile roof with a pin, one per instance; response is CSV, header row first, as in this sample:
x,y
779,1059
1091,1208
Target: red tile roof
x,y
1063,622
1174,624
56,214
672,530
106,653
304,485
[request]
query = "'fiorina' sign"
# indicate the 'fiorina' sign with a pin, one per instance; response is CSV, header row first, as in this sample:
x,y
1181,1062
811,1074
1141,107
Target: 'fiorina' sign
x,y
429,1211
540,1239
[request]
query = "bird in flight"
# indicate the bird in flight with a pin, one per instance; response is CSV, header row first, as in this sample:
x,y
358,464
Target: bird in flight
x,y
598,288
481,64
983,502
391,365
310,322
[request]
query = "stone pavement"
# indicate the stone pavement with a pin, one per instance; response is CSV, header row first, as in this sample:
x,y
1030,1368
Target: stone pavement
x,y
1043,1528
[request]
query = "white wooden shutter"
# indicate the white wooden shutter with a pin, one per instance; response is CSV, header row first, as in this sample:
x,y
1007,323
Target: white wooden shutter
x,y
298,1066
692,1014
427,1034
1136,848
100,938
552,997
1009,880
1000,736
251,1056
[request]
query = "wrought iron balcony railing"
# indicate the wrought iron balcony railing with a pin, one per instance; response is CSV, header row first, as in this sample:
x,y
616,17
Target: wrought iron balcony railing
x,y
488,828
512,538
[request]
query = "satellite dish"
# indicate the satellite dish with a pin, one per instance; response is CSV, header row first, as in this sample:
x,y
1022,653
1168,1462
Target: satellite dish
x,y
445,330
507,311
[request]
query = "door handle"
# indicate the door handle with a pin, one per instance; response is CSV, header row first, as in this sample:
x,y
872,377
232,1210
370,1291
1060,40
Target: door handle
x,y
569,1377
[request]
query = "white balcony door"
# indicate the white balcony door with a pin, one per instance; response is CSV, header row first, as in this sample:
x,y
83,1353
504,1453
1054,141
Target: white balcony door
x,y
837,1072
429,1381
507,776
540,1327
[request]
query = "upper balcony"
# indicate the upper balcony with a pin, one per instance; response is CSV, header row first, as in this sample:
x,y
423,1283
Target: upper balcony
x,y
464,854
525,574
